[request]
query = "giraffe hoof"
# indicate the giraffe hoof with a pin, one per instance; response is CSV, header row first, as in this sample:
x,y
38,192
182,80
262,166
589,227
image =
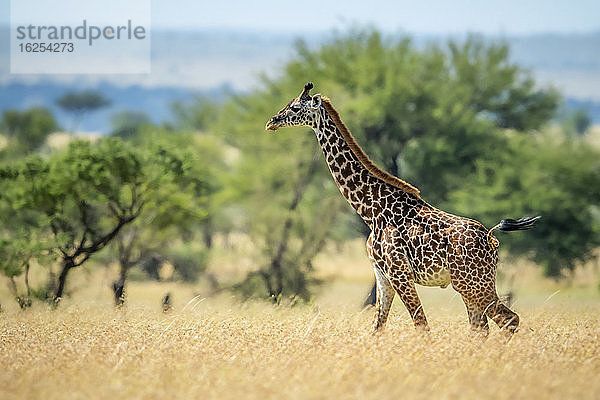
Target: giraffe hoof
x,y
422,329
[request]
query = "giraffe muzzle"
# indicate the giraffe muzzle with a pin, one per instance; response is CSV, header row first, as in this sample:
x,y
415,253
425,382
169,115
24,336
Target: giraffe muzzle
x,y
272,124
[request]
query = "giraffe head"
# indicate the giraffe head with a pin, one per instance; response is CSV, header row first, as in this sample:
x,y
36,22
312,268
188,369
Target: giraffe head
x,y
299,111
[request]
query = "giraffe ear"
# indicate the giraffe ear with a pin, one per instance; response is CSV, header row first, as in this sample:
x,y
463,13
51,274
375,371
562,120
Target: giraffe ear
x,y
315,103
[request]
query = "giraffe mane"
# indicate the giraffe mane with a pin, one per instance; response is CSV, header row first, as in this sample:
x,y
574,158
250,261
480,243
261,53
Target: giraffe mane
x,y
362,156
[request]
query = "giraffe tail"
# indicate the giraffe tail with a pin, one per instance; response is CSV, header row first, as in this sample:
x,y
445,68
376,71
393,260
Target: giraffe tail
x,y
509,224
520,224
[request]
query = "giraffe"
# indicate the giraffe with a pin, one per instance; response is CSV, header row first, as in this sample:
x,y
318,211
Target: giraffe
x,y
411,242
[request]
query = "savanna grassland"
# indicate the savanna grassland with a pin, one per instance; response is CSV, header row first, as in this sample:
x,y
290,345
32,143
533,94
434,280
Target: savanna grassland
x,y
221,348
241,213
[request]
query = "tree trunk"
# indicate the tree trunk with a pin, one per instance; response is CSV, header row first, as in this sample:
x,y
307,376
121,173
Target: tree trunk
x,y
276,263
50,285
67,264
207,233
119,285
24,302
13,286
27,280
276,267
394,166
125,246
166,303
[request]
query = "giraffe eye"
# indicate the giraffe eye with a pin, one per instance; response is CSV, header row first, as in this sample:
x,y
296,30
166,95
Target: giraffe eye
x,y
295,107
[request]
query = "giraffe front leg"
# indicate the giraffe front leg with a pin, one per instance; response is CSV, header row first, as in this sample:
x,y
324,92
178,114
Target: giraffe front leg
x,y
403,282
402,279
385,296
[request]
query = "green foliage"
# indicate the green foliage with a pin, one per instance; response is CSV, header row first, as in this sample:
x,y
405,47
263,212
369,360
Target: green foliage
x,y
92,190
126,124
199,116
29,129
558,178
284,191
426,115
18,247
189,261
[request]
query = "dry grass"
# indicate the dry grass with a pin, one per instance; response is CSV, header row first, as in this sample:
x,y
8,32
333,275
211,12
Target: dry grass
x,y
222,349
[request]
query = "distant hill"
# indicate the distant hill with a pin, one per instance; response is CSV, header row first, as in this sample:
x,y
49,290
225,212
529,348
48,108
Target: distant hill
x,y
155,102
209,61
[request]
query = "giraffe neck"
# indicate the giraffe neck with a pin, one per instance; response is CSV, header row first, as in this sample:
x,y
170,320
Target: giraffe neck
x,y
355,182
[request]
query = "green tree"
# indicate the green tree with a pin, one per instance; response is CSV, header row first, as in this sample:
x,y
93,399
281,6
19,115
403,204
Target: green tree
x,y
23,237
18,247
89,193
29,129
556,177
577,123
81,103
426,115
172,215
286,194
126,124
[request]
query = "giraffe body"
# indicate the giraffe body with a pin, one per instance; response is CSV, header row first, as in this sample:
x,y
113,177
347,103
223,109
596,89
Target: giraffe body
x,y
411,242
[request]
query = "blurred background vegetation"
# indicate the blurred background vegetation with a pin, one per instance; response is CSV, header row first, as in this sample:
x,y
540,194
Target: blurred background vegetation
x,y
459,119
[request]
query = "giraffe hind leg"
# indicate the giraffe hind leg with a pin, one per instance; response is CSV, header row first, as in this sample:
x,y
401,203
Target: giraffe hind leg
x,y
480,292
477,318
503,316
492,308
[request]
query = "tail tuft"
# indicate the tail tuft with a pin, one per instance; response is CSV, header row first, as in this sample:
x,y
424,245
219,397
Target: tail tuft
x,y
508,225
520,224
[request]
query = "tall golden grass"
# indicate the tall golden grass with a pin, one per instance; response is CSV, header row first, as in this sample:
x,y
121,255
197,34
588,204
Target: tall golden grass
x,y
222,348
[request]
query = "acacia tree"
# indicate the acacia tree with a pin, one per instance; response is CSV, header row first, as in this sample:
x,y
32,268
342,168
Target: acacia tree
x,y
81,103
558,178
285,192
426,114
88,194
18,247
176,208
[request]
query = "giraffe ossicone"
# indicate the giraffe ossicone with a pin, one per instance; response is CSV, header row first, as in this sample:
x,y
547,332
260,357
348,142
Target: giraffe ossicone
x,y
411,242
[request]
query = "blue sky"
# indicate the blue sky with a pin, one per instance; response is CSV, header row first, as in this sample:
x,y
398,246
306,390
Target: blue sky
x,y
507,17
